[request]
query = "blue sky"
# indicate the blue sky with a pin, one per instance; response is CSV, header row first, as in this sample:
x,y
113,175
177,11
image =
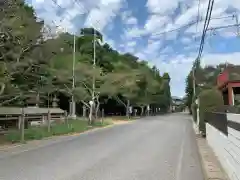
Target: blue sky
x,y
137,26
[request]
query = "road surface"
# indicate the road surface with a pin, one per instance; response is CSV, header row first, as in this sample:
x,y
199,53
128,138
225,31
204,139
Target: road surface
x,y
154,148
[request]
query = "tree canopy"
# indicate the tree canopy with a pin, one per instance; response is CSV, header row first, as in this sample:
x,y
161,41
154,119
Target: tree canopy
x,y
33,66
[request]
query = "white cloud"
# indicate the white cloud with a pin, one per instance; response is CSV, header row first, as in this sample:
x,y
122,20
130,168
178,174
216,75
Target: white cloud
x,y
100,16
131,21
131,43
167,49
128,18
156,23
186,40
134,32
99,12
125,15
161,6
58,14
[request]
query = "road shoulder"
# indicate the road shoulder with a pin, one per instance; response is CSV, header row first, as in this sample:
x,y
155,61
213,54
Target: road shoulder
x,y
211,166
17,148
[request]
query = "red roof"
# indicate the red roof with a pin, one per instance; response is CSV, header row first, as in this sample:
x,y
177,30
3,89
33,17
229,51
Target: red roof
x,y
230,74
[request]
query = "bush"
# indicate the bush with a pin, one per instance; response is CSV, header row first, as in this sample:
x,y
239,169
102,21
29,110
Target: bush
x,y
209,100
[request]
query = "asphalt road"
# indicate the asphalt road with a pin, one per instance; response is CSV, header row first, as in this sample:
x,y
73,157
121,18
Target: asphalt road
x,y
155,148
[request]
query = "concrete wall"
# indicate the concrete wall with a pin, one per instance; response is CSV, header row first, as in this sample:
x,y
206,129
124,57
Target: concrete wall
x,y
227,146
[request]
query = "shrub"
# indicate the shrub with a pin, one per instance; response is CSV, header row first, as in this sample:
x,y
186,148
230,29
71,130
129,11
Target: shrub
x,y
194,107
209,100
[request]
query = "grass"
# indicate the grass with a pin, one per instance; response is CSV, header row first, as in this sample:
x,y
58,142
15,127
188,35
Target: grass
x,y
37,133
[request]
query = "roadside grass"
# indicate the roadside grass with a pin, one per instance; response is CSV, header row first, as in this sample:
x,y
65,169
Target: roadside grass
x,y
37,133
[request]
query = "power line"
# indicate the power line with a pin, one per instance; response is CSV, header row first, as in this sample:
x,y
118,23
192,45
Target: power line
x,y
198,14
224,27
237,22
206,24
190,24
205,27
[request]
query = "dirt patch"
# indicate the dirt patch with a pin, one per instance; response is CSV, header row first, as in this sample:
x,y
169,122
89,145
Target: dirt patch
x,y
120,122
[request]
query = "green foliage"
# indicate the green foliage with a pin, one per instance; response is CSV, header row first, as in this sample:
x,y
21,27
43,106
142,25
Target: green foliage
x,y
33,64
209,100
205,78
194,107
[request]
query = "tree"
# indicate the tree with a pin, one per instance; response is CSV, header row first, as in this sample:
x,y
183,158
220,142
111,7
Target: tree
x,y
34,64
189,92
21,34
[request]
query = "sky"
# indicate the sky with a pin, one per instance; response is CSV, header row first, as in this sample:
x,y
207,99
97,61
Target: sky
x,y
141,27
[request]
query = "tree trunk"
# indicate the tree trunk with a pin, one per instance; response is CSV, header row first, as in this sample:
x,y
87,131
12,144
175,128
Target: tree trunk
x,y
66,118
84,111
142,110
97,109
127,109
102,116
135,112
22,126
148,110
49,121
90,115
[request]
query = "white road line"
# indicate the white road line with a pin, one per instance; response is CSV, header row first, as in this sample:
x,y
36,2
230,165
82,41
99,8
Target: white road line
x,y
180,158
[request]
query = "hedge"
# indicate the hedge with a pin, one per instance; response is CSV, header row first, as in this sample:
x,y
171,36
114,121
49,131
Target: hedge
x,y
209,100
194,107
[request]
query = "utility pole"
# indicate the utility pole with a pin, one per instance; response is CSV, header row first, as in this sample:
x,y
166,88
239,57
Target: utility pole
x,y
92,102
194,81
94,67
237,24
94,64
73,103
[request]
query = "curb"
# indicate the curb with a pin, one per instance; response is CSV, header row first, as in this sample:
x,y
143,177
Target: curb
x,y
204,171
212,168
199,152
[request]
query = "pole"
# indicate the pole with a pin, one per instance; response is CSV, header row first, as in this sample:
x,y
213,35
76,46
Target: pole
x,y
237,24
194,83
22,126
49,121
94,64
93,80
73,103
